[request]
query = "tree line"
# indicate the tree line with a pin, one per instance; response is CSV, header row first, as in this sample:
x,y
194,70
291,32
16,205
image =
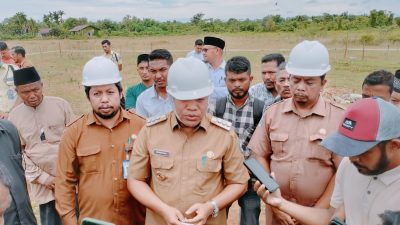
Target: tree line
x,y
20,26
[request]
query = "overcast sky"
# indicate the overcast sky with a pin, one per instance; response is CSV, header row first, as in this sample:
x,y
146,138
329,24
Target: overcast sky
x,y
183,10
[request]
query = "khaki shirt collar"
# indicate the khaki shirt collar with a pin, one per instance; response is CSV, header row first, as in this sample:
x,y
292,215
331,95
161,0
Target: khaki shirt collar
x,y
93,119
318,109
204,124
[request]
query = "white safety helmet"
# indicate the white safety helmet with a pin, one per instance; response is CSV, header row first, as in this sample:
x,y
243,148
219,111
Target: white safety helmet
x,y
100,71
188,79
308,58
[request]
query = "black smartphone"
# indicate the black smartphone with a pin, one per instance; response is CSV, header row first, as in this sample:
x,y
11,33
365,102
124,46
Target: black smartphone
x,y
91,221
261,174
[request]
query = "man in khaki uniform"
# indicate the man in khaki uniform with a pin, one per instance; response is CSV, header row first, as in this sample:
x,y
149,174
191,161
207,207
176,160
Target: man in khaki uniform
x,y
287,140
94,154
191,160
40,121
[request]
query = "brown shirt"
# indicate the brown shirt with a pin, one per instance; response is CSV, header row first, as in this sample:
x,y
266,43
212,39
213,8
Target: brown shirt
x,y
290,143
90,162
184,171
40,131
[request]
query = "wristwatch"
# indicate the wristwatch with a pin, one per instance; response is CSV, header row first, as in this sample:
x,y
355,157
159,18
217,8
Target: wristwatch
x,y
215,208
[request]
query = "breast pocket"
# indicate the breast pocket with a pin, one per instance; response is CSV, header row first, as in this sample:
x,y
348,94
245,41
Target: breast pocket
x,y
208,175
278,144
162,171
317,151
89,159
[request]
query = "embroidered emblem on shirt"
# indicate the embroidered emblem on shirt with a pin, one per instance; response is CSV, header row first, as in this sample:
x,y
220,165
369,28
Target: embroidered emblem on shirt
x,y
210,155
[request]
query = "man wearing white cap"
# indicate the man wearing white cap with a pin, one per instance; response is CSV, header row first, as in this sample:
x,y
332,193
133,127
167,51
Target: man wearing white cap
x,y
186,166
368,181
95,151
287,140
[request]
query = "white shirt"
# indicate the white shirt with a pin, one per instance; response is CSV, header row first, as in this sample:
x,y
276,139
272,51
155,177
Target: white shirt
x,y
196,55
217,77
365,197
150,104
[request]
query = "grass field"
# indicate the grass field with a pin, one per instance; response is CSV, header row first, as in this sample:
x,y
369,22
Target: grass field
x,y
60,62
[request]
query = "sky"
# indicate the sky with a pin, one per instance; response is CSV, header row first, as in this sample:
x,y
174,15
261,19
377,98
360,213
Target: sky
x,y
183,10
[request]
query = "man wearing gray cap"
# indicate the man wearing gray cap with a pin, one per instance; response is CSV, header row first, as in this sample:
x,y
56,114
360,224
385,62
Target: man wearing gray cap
x,y
395,98
368,179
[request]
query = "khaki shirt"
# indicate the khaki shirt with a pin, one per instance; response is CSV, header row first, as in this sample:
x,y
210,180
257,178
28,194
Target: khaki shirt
x,y
365,197
290,143
183,171
40,154
90,162
115,57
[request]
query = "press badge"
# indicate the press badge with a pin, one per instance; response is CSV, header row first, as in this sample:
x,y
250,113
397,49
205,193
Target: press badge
x,y
125,165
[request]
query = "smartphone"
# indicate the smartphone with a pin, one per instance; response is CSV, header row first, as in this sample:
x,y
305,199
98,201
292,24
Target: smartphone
x,y
91,221
260,174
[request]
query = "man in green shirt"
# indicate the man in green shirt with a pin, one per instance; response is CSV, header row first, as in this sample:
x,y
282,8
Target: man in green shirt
x,y
134,91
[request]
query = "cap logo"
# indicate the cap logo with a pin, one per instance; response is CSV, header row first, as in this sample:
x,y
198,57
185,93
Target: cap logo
x,y
349,124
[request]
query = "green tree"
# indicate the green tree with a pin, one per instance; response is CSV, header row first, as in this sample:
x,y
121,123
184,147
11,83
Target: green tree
x,y
197,18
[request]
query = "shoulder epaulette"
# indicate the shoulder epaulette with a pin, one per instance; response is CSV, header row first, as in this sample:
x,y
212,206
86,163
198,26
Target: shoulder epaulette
x,y
75,119
337,105
221,123
134,113
155,120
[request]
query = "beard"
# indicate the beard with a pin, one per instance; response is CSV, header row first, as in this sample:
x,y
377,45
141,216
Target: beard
x,y
379,168
238,95
107,116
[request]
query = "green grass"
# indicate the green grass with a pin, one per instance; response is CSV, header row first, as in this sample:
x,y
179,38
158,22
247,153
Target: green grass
x,y
61,72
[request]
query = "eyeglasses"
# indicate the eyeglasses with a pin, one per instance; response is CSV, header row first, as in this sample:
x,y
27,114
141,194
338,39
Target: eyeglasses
x,y
206,49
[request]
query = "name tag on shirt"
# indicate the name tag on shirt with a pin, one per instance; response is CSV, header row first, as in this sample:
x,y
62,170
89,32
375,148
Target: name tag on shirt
x,y
162,153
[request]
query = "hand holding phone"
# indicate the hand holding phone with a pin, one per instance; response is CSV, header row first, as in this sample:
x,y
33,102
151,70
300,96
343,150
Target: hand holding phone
x,y
261,174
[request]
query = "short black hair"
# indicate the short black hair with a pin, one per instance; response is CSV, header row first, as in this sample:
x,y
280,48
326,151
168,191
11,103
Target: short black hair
x,y
161,54
3,46
87,89
19,50
237,65
380,77
105,42
142,58
279,58
199,42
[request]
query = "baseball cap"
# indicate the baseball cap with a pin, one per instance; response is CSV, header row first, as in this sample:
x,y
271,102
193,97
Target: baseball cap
x,y
365,123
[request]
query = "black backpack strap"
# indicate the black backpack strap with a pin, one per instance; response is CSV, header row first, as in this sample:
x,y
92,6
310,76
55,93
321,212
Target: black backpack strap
x,y
220,106
258,109
116,57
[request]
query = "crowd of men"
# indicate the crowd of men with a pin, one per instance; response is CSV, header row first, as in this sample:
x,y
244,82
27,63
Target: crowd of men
x,y
170,150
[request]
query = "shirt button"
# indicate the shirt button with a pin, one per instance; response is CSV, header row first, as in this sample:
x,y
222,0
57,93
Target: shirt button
x,y
369,192
113,162
112,146
375,178
115,194
115,178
